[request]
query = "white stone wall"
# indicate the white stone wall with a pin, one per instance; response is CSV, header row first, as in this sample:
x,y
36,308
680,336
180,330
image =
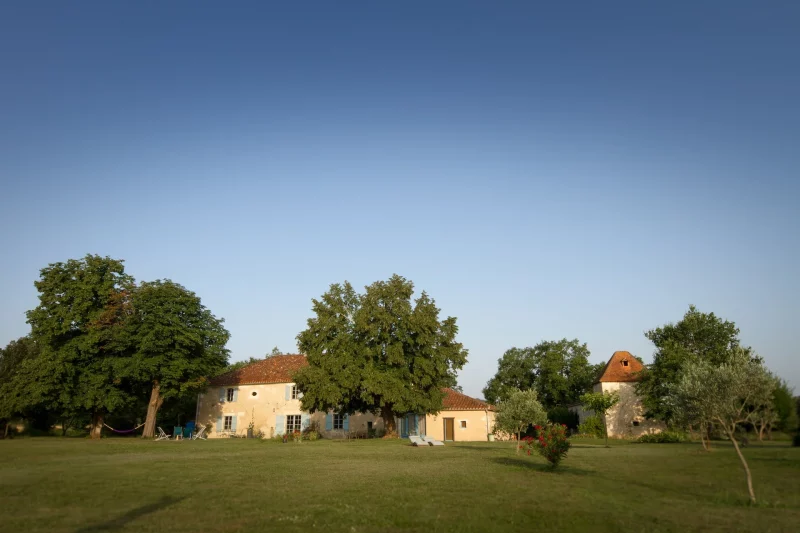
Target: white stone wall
x,y
626,419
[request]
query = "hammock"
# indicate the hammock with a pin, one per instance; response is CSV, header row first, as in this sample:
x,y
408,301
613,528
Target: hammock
x,y
123,430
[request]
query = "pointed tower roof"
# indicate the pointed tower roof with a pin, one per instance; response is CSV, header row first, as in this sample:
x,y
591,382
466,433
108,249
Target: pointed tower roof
x,y
621,367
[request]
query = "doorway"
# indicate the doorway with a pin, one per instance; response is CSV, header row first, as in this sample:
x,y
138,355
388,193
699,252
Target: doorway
x,y
449,429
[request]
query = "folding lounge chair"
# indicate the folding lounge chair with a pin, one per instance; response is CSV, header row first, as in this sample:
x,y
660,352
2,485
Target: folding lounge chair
x,y
201,434
162,435
432,441
416,441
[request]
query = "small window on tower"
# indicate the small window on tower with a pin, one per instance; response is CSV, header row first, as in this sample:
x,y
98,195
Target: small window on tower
x,y
625,362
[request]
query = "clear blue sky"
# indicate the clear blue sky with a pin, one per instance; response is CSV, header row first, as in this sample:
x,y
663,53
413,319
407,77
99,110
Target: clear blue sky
x,y
543,172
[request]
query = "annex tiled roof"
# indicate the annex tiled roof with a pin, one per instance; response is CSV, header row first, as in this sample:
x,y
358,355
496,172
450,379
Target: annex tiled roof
x,y
456,401
621,367
276,369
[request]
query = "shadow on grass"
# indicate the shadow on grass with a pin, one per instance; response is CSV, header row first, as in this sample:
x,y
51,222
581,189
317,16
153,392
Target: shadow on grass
x,y
479,448
521,462
119,522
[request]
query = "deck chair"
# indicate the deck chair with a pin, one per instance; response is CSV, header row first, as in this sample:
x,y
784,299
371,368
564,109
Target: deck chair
x,y
416,441
201,434
432,441
161,435
178,433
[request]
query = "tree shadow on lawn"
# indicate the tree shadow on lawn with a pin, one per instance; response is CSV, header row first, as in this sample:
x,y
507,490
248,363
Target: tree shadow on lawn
x,y
133,514
480,448
521,462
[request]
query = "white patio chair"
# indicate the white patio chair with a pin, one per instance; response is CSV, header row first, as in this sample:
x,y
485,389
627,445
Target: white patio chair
x,y
432,441
162,435
416,441
200,434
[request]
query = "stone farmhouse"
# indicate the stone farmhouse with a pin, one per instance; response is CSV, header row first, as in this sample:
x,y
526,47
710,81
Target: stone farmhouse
x,y
264,394
626,419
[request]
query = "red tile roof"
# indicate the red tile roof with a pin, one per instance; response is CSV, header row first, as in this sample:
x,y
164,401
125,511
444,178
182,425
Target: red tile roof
x,y
621,367
280,368
276,369
456,401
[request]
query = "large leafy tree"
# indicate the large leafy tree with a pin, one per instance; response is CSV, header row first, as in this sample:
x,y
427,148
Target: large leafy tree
x,y
559,371
13,359
697,336
172,342
379,351
728,395
75,370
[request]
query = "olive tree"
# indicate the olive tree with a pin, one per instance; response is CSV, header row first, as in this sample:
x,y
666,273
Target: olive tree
x,y
519,411
729,394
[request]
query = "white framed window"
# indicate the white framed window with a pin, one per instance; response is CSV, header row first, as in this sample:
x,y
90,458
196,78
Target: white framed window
x,y
230,394
295,393
338,421
463,424
227,422
293,423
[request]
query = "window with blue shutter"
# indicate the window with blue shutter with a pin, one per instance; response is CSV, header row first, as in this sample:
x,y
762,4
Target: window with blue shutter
x,y
235,395
279,427
288,392
304,422
233,423
222,395
346,423
328,422
219,424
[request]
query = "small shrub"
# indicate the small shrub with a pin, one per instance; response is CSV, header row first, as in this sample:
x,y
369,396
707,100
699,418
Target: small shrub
x,y
310,435
796,440
663,437
551,443
312,432
592,427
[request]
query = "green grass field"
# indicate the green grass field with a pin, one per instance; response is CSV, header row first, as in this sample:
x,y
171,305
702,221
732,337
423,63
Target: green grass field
x,y
75,485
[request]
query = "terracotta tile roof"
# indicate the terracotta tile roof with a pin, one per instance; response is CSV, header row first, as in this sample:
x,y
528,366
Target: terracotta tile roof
x,y
621,367
455,401
277,369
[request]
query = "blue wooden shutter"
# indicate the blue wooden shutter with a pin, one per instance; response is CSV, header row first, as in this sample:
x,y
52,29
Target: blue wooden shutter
x,y
288,392
233,423
279,425
219,424
304,422
346,423
235,395
222,395
328,422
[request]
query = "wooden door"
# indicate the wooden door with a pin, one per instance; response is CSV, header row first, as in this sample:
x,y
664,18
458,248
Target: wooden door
x,y
449,429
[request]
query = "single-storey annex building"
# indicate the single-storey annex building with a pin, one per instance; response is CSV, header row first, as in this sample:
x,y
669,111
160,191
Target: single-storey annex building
x,y
264,395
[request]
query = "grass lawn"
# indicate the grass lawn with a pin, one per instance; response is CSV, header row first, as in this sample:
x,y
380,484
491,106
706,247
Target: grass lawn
x,y
75,485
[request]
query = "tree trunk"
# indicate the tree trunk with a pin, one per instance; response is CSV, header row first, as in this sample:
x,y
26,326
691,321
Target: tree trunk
x,y
605,428
5,433
744,464
703,439
64,426
387,413
152,410
761,432
97,426
518,433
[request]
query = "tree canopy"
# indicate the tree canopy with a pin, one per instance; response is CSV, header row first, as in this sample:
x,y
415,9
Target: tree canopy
x,y
697,336
75,369
172,343
379,351
559,371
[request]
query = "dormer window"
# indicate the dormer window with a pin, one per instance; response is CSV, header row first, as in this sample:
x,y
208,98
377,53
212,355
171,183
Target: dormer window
x,y
624,362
